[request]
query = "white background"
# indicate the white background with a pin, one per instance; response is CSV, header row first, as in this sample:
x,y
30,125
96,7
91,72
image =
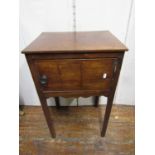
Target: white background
x,y
37,16
9,66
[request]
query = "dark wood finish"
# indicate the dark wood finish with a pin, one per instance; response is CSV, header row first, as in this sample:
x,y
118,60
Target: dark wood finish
x,y
76,94
110,100
57,102
75,74
96,101
74,65
60,42
42,99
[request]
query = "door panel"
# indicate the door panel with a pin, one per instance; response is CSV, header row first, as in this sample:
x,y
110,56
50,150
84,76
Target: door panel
x,y
93,72
75,74
61,75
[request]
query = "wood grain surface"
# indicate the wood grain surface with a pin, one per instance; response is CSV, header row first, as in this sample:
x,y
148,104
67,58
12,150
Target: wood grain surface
x,y
60,42
78,131
76,74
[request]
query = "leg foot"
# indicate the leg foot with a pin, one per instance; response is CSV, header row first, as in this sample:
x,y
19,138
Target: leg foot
x,y
57,102
96,101
48,117
107,115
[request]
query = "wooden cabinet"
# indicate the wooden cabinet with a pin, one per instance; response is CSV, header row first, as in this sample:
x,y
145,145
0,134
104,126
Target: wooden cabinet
x,y
75,64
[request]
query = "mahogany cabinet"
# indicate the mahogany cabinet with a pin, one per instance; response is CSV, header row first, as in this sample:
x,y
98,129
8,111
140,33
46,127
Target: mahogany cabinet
x,y
75,64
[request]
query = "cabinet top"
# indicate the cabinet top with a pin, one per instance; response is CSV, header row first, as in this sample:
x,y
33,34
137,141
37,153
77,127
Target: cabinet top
x,y
77,42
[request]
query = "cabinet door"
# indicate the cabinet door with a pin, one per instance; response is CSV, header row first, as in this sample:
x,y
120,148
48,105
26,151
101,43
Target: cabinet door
x,y
59,74
75,74
97,74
